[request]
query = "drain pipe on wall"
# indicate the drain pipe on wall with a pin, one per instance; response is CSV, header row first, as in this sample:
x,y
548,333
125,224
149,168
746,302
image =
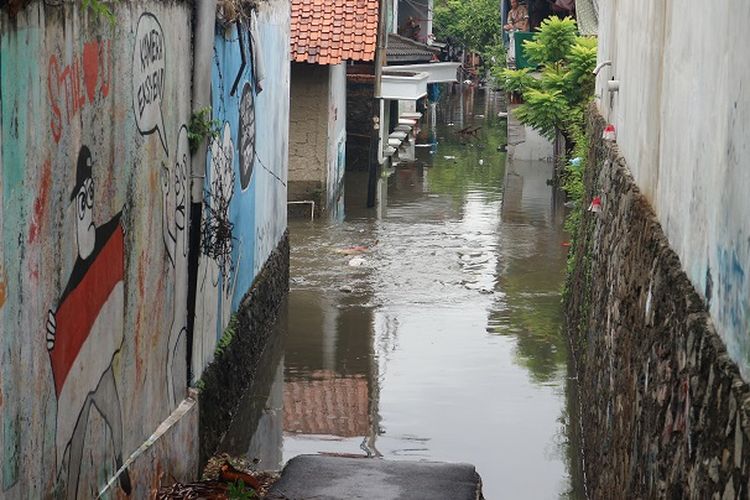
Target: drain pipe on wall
x,y
380,59
204,22
204,26
204,19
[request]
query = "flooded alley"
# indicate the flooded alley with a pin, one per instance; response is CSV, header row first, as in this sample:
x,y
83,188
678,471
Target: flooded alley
x,y
429,327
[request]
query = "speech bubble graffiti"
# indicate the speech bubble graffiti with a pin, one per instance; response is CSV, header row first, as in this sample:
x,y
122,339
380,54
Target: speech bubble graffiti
x,y
149,64
247,135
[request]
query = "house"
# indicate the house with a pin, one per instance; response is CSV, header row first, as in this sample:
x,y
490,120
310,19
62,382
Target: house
x,y
325,35
382,101
412,65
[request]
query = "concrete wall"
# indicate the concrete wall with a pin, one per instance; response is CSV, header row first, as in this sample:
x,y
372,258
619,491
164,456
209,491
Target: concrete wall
x,y
95,167
680,116
244,216
308,129
664,411
336,154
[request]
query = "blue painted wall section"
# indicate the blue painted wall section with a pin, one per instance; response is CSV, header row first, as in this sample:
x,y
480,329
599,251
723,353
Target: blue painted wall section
x,y
244,206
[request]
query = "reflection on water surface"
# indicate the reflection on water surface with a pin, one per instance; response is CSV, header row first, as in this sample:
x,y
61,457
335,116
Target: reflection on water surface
x,y
443,340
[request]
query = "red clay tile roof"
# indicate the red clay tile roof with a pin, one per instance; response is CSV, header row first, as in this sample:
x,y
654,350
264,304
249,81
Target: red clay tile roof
x,y
331,31
332,406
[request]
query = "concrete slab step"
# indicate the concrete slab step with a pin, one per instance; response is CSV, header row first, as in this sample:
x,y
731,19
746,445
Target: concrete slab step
x,y
339,478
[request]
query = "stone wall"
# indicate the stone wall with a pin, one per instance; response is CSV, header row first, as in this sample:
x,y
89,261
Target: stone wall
x,y
664,410
235,363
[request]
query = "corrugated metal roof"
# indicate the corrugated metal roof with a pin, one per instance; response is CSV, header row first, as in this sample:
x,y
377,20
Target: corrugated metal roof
x,y
587,14
402,49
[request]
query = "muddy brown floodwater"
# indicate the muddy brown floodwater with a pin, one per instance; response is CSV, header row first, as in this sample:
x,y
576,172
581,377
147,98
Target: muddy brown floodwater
x,y
443,340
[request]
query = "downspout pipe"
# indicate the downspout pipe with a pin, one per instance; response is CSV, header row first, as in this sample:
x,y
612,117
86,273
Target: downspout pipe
x,y
204,26
380,59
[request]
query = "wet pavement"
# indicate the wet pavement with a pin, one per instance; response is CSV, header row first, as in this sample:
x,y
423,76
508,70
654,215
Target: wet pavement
x,y
442,340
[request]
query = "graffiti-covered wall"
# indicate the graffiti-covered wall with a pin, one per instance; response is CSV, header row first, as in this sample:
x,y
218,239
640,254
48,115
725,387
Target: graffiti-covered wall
x,y
244,207
95,172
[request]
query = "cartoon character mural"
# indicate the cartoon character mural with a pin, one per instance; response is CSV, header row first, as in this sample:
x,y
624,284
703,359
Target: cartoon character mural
x,y
85,332
175,217
216,269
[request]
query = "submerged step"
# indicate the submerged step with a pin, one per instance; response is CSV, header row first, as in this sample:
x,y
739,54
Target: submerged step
x,y
333,478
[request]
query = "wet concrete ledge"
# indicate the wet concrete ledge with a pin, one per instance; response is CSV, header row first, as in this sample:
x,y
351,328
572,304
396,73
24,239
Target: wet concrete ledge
x,y
665,413
339,478
234,368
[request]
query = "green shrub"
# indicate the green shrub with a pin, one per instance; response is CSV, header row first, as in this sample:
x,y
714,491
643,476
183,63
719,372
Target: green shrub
x,y
515,80
553,40
99,8
556,101
202,127
543,110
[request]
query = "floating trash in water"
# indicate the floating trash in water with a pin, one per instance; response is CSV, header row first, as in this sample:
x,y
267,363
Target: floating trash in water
x,y
352,250
609,133
346,289
479,116
481,161
596,204
357,262
450,124
576,162
449,157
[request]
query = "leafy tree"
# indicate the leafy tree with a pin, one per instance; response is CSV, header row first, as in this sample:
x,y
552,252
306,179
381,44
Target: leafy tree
x,y
544,110
554,39
473,24
514,80
557,99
